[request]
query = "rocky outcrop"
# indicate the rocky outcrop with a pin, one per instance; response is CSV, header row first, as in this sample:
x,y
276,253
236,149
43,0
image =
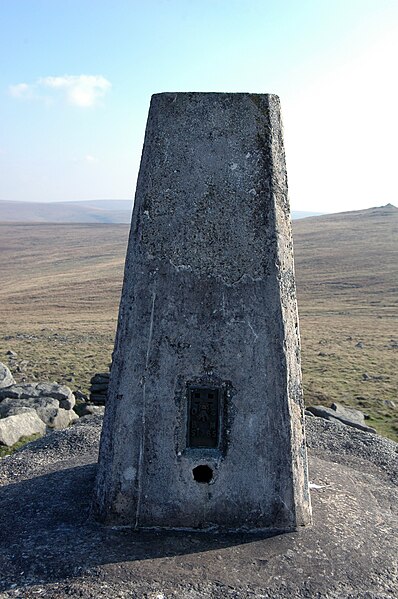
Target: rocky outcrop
x,y
348,416
61,393
6,378
47,408
25,424
52,403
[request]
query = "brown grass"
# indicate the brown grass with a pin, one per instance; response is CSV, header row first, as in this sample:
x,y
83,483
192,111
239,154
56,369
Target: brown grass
x,y
60,288
347,281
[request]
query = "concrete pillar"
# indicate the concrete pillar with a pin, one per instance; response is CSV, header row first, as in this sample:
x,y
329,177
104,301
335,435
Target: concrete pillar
x,y
204,419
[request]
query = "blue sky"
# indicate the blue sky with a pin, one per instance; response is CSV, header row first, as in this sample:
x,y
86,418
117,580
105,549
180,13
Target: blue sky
x,y
77,75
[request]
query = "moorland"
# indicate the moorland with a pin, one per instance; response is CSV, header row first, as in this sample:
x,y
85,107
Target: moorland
x,y
61,283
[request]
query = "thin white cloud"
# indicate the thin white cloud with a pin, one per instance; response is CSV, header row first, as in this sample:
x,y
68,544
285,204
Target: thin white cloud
x,y
90,159
79,90
85,159
20,90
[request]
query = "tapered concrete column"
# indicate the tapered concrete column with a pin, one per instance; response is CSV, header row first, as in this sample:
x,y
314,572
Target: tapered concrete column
x,y
204,420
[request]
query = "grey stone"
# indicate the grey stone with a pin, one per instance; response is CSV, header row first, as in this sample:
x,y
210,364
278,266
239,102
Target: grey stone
x,y
99,387
209,304
62,419
34,403
48,409
19,392
12,410
48,413
13,428
350,414
50,390
6,378
61,392
90,410
98,398
342,416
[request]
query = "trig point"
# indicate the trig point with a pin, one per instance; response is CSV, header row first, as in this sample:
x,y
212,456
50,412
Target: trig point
x,y
204,422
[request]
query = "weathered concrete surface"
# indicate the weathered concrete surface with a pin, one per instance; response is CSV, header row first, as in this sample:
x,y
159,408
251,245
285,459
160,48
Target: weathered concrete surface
x,y
50,547
208,299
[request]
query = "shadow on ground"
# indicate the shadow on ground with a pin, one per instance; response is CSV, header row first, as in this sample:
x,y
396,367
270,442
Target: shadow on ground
x,y
49,545
47,531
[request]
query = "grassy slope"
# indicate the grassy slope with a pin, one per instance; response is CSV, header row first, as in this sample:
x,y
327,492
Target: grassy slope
x,y
59,297
347,280
61,285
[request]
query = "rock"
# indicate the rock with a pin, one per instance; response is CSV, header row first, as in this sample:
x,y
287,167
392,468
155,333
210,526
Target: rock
x,y
99,388
39,404
99,399
6,378
359,345
89,410
13,428
389,404
80,396
11,354
61,392
53,390
61,418
342,414
19,392
52,403
13,410
348,413
47,408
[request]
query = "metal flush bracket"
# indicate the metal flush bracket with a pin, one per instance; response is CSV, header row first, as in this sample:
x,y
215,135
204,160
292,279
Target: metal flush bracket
x,y
204,417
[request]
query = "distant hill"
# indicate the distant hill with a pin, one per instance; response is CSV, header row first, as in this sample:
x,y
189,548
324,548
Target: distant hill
x,y
90,211
377,211
350,257
296,214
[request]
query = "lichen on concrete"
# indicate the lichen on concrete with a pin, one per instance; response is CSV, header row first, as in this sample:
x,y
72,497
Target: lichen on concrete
x,y
208,299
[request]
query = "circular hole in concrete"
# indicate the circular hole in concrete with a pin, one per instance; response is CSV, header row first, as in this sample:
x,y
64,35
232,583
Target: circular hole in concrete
x,y
202,474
